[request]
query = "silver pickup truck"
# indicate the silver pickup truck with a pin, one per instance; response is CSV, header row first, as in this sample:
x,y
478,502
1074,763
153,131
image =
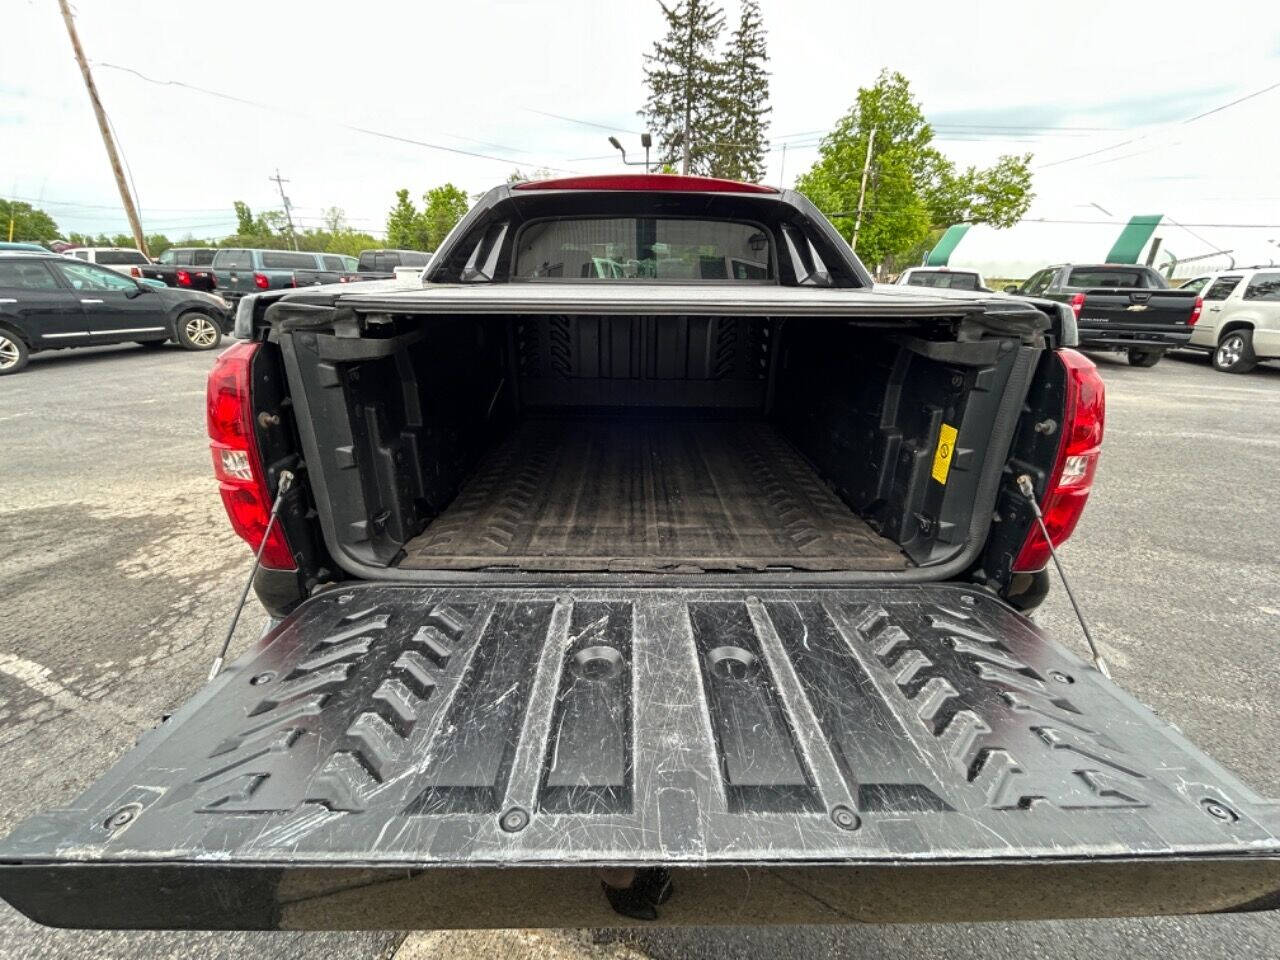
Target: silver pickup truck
x,y
645,564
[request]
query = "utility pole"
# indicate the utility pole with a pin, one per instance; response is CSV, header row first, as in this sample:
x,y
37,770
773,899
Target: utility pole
x,y
862,191
782,173
288,208
130,210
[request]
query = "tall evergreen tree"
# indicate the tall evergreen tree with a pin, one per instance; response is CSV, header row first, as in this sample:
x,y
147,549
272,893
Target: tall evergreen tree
x,y
685,86
743,101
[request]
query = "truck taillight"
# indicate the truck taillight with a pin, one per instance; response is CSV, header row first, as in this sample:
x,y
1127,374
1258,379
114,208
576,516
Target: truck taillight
x,y
260,281
135,272
236,462
183,278
1071,479
1077,304
1195,312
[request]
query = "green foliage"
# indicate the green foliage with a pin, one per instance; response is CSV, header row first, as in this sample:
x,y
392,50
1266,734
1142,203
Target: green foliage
x,y
446,205
541,173
685,83
739,151
30,224
409,228
405,229
912,188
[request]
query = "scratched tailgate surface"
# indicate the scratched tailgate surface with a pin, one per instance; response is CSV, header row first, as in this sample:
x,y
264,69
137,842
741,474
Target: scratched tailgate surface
x,y
409,728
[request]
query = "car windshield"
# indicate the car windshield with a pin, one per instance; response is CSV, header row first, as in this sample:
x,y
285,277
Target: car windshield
x,y
643,248
1106,278
952,281
114,258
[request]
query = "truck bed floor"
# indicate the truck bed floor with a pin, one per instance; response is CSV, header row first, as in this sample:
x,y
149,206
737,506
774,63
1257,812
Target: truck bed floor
x,y
592,493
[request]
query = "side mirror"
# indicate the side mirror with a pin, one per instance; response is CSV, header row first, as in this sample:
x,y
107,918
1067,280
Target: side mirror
x,y
1011,288
141,289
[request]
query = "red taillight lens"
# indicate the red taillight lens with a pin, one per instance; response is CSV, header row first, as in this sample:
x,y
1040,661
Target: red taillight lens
x,y
1072,477
236,464
135,272
184,278
260,281
1195,312
1077,304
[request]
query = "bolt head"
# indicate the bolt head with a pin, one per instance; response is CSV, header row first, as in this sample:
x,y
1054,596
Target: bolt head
x,y
844,818
514,820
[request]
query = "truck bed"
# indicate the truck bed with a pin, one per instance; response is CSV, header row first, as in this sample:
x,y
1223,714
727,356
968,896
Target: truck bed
x,y
701,494
405,756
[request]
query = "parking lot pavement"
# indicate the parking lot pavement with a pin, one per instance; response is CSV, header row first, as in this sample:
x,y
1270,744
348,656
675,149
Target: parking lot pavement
x,y
118,572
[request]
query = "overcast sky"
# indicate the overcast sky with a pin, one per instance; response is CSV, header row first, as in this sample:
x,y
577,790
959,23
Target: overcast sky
x,y
1099,92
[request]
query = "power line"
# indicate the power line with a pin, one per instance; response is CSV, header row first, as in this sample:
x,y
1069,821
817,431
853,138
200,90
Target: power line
x,y
345,126
1125,143
585,123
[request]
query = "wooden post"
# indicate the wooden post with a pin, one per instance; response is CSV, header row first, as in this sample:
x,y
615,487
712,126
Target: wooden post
x,y
126,198
862,192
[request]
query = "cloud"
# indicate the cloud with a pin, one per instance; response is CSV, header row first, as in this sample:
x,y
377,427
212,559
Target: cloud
x,y
1121,113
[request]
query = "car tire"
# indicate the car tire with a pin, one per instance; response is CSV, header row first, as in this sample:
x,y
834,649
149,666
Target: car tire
x,y
13,352
1141,357
1234,353
151,344
198,331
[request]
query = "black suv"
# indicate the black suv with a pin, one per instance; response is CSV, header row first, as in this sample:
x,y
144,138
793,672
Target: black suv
x,y
50,302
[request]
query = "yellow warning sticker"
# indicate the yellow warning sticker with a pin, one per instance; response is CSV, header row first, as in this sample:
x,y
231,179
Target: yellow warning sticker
x,y
942,456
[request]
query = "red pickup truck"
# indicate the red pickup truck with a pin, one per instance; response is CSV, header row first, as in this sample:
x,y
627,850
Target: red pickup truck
x,y
646,564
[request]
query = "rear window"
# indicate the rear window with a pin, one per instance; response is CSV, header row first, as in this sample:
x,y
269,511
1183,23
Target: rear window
x,y
367,260
411,258
1107,278
333,263
202,258
1263,286
643,248
283,260
114,258
1221,288
17,275
951,281
233,260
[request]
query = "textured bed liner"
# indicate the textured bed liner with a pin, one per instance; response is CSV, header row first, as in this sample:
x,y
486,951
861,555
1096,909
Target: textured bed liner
x,y
599,493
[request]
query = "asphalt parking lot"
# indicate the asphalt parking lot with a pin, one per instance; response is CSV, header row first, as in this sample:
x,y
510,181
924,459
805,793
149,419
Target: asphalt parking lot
x,y
118,572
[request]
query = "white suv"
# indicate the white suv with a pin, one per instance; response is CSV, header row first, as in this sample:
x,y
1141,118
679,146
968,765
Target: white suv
x,y
1241,319
124,260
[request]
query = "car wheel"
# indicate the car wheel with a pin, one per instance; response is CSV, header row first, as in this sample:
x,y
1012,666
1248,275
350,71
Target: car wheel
x,y
1140,357
1235,352
151,344
13,353
198,331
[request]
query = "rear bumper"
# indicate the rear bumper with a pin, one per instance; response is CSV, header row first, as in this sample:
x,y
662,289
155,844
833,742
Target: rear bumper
x,y
1100,337
397,756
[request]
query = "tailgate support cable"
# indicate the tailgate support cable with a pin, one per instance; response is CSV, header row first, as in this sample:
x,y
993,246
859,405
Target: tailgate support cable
x,y
282,487
1028,491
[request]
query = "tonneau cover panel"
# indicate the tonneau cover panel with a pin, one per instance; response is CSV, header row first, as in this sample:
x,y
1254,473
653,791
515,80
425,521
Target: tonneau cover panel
x,y
395,756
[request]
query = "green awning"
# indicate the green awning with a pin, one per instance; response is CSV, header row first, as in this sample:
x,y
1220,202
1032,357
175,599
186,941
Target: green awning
x,y
1133,238
941,253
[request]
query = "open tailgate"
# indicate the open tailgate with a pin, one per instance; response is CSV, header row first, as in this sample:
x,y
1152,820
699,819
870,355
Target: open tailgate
x,y
417,757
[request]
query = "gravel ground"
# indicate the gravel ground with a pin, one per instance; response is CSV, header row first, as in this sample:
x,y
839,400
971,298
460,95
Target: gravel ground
x,y
118,572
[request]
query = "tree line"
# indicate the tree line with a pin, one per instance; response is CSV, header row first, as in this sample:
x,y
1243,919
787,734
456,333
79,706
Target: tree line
x,y
406,228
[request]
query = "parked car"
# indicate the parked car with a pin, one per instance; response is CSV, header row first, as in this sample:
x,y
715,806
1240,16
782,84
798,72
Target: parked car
x,y
189,267
946,277
124,260
1241,322
239,271
1122,307
336,268
679,599
28,247
48,302
382,264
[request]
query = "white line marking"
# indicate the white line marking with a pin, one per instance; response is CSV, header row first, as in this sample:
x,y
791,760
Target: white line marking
x,y
37,677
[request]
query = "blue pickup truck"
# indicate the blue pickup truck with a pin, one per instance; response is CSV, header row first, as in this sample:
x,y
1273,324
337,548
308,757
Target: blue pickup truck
x,y
239,271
